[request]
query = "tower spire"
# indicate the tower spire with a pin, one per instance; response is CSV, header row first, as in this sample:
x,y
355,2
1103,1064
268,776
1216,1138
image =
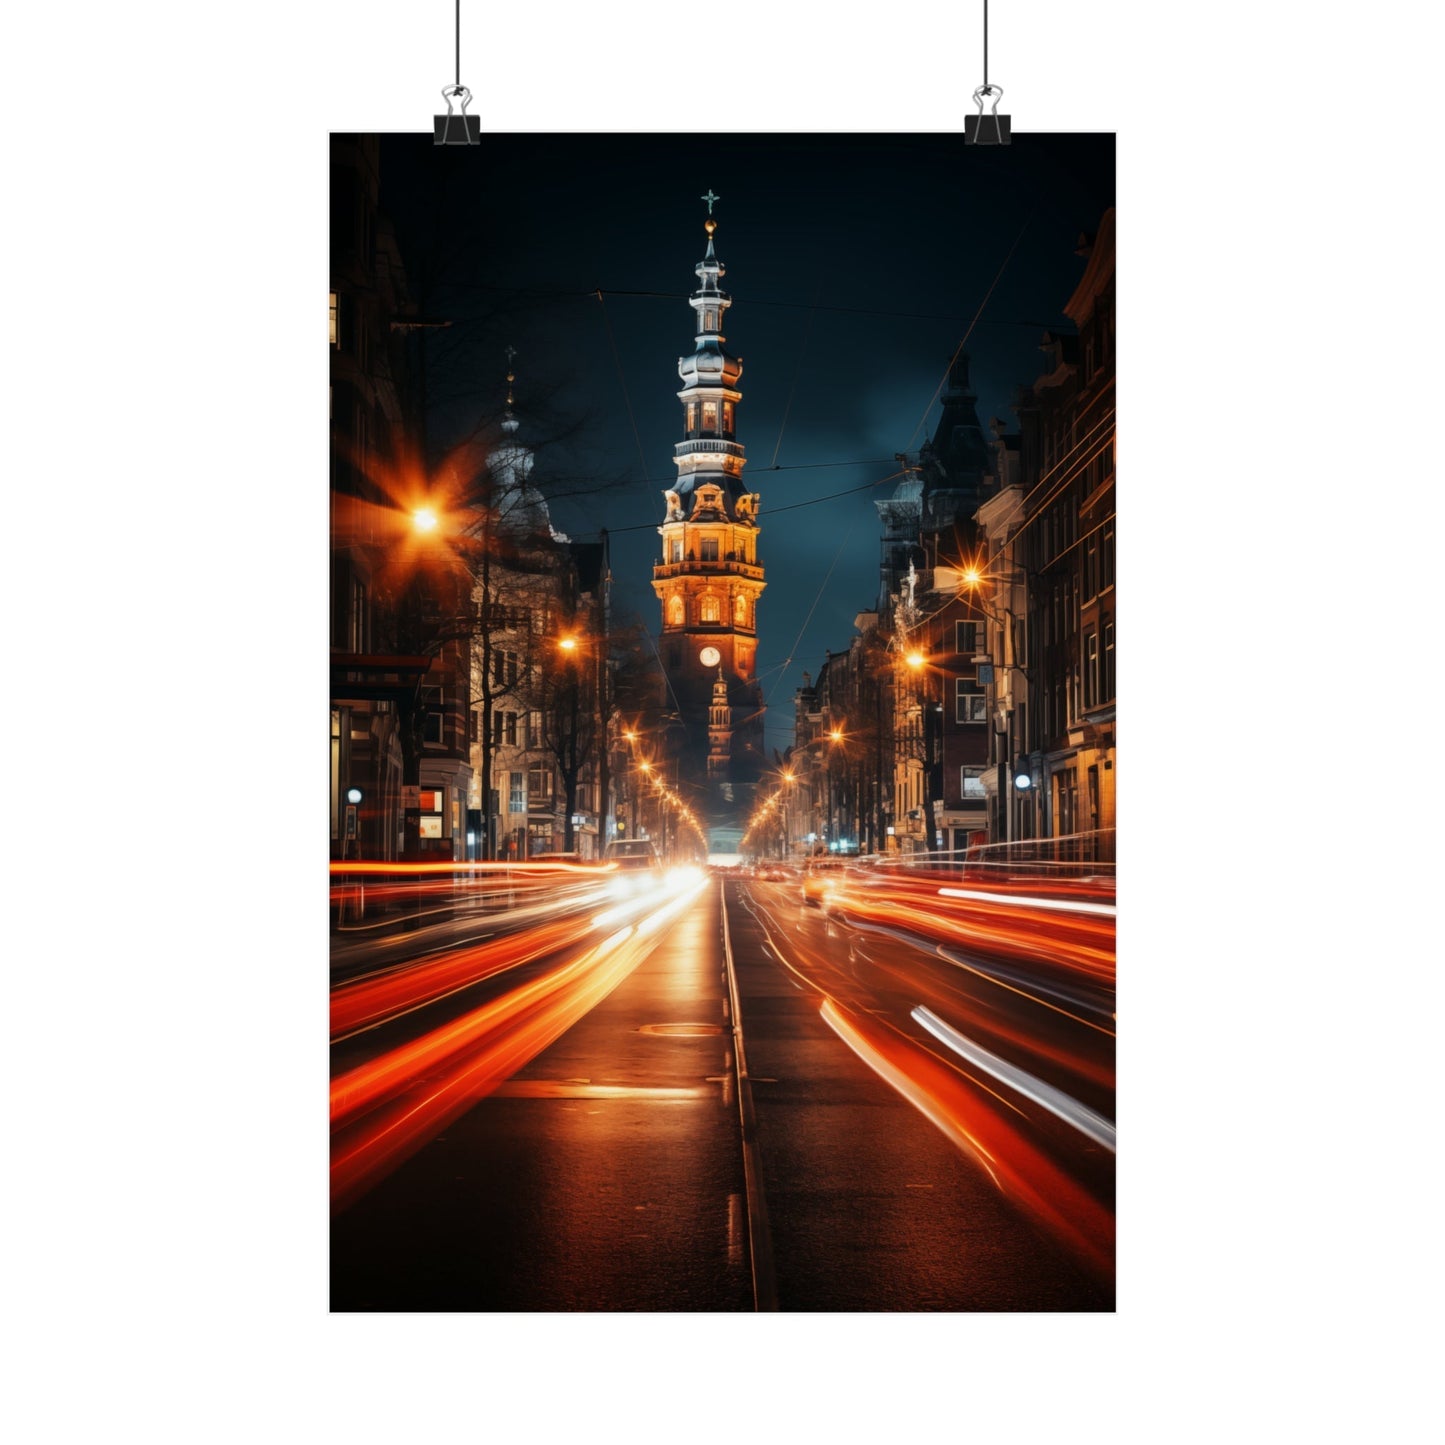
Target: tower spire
x,y
710,577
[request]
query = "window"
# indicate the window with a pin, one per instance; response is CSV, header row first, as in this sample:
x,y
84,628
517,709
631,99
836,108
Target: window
x,y
539,786
675,610
971,703
709,319
474,725
534,729
709,550
509,729
709,417
691,417
674,549
970,783
740,610
516,795
335,322
1106,685
1106,548
1091,668
432,728
727,418
504,668
356,622
969,638
711,611
1091,567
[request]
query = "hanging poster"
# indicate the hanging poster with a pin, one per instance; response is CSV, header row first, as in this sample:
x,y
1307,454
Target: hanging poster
x,y
755,499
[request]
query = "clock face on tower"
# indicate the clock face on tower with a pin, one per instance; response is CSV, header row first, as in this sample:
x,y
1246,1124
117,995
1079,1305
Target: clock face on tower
x,y
709,657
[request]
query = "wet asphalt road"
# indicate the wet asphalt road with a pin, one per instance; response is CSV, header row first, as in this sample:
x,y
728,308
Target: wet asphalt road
x,y
608,1174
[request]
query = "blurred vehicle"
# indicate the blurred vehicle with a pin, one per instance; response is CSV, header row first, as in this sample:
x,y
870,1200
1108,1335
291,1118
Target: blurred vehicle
x,y
632,853
820,877
637,863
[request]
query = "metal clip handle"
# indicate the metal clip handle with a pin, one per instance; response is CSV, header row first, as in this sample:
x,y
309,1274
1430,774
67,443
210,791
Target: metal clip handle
x,y
980,95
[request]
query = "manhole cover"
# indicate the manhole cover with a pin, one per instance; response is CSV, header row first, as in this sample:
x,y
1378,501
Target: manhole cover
x,y
688,1031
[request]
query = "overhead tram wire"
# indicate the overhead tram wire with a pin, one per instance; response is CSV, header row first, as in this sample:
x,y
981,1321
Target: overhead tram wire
x,y
817,598
626,395
599,292
797,372
937,391
791,506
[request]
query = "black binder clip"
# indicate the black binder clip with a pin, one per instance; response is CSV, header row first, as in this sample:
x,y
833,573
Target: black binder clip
x,y
986,130
457,130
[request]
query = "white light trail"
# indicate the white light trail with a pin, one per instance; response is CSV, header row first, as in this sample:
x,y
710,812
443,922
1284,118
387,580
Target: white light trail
x,y
1071,1111
1061,905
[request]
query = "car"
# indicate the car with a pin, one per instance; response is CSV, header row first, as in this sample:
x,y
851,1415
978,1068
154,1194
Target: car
x,y
820,877
632,853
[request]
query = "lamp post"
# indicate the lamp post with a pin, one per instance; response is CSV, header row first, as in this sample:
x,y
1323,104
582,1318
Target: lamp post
x,y
997,672
918,665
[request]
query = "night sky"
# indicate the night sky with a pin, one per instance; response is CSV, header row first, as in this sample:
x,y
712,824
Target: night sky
x,y
856,265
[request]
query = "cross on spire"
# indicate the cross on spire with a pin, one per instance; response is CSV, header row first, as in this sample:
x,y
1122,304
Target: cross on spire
x,y
710,199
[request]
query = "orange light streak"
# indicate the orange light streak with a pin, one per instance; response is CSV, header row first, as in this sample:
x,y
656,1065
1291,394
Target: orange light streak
x,y
967,1113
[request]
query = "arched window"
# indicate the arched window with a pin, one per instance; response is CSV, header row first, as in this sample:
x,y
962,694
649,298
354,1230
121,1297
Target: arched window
x,y
711,612
740,610
674,611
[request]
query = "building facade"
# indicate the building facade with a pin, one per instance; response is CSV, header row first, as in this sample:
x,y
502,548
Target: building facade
x,y
1066,546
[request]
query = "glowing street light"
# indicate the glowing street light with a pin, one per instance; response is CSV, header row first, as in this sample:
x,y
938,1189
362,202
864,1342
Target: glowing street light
x,y
424,519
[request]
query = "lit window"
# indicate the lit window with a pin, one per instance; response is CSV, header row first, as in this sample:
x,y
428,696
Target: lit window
x,y
709,416
1091,668
740,611
674,550
691,416
516,796
971,783
727,418
674,611
711,612
335,326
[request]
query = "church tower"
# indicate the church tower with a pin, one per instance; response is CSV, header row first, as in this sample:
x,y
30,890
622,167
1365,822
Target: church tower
x,y
709,580
719,732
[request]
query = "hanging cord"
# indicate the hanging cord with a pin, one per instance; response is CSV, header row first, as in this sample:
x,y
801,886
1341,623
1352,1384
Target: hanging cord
x,y
459,42
985,44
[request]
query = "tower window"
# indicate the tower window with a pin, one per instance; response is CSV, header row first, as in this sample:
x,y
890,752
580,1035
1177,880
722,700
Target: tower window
x,y
727,418
740,611
709,416
709,549
709,319
674,611
674,549
711,612
692,416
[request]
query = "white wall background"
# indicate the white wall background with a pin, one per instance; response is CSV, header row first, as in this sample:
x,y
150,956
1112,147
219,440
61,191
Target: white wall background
x,y
165,257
